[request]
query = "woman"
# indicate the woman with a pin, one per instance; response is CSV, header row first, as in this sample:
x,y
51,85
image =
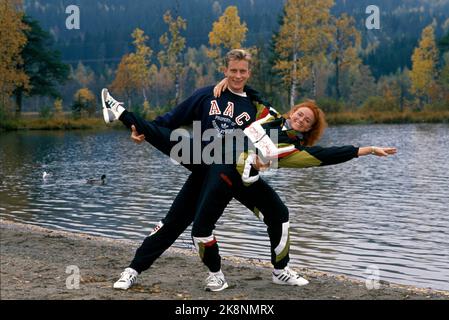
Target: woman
x,y
299,129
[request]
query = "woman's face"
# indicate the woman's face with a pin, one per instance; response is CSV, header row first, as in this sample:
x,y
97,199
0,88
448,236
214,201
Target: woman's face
x,y
302,119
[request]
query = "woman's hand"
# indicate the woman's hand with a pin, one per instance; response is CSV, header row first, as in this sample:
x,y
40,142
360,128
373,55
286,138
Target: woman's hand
x,y
220,87
383,152
259,165
135,135
377,151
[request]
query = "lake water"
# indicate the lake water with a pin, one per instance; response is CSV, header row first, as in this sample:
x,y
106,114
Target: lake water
x,y
386,214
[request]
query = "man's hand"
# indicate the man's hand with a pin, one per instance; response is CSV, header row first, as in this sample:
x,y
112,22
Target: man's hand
x,y
135,135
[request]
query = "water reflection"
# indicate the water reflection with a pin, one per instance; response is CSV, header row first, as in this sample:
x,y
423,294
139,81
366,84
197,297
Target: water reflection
x,y
391,213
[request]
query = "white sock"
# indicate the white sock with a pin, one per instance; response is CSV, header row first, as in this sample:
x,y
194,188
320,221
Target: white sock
x,y
278,271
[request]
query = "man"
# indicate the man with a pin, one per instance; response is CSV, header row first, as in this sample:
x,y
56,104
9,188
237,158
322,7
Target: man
x,y
209,189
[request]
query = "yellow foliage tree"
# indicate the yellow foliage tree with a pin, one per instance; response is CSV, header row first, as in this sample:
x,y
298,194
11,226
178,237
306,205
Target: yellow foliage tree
x,y
424,61
302,41
85,102
134,71
173,44
12,39
58,108
227,33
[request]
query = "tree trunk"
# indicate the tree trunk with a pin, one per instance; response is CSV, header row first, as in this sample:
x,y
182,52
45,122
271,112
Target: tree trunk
x,y
294,82
337,77
314,81
176,90
401,98
144,95
19,100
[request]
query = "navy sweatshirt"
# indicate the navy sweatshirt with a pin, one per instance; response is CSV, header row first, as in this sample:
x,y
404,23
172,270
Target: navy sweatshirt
x,y
225,114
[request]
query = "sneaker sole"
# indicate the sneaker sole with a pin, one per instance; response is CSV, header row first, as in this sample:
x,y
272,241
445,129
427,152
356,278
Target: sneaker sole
x,y
282,283
123,288
106,111
217,290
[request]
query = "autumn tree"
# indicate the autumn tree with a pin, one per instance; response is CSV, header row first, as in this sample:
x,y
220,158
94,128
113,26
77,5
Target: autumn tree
x,y
59,111
346,42
13,40
227,33
134,70
84,103
302,41
173,45
424,62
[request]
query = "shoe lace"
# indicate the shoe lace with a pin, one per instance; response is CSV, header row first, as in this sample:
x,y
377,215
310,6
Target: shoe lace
x,y
213,280
125,275
113,103
291,273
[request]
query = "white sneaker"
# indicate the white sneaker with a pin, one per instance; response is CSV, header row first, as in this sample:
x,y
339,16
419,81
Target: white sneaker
x,y
289,277
112,109
127,279
215,282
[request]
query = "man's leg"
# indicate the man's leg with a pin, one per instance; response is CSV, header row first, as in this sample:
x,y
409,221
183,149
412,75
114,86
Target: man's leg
x,y
179,217
215,195
156,135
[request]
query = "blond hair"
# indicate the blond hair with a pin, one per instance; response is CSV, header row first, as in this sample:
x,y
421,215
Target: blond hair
x,y
238,54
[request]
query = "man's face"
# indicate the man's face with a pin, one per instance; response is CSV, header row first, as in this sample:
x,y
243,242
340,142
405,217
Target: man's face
x,y
238,74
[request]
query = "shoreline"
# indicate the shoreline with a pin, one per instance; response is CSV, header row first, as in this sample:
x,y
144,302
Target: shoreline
x,y
39,263
333,119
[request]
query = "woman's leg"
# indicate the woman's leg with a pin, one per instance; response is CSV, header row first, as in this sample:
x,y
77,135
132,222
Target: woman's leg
x,y
266,204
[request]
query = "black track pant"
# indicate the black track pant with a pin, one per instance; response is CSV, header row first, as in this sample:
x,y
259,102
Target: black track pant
x,y
202,201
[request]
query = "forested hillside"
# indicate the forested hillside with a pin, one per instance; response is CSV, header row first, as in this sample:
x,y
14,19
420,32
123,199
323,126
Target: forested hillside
x,y
154,53
106,25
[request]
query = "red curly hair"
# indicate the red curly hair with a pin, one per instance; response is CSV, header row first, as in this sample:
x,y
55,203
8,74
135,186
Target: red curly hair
x,y
320,124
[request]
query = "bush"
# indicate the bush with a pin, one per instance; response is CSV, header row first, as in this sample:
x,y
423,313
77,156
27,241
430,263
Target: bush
x,y
377,104
437,106
46,113
330,105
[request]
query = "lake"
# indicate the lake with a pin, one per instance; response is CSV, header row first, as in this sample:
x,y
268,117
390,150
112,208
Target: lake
x,y
385,214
